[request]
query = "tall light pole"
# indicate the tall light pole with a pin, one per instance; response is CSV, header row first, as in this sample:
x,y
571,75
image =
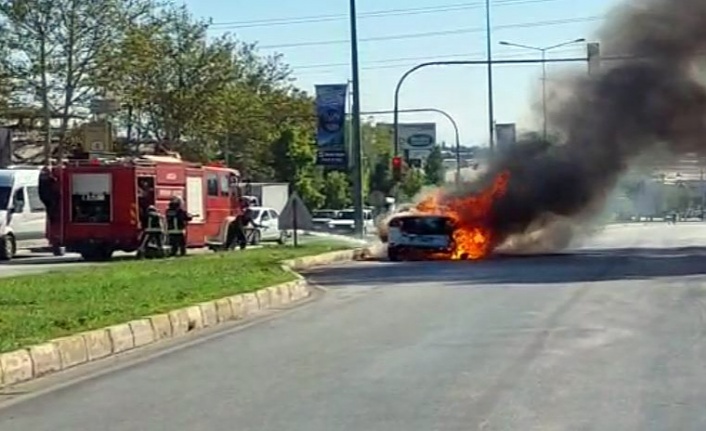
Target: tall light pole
x,y
355,127
489,52
543,50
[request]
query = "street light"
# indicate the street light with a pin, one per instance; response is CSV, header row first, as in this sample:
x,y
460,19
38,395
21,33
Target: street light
x,y
489,58
544,50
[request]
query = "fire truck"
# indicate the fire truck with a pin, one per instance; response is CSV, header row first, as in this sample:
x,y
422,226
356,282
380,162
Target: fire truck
x,y
95,205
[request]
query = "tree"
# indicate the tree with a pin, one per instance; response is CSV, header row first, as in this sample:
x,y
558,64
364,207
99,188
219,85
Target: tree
x,y
207,98
297,146
412,183
166,70
56,46
381,174
434,168
337,190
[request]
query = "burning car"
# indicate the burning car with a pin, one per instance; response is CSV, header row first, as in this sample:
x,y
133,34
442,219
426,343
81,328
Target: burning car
x,y
446,225
423,235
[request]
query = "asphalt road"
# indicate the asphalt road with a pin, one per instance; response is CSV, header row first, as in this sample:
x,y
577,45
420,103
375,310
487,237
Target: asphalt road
x,y
35,263
607,338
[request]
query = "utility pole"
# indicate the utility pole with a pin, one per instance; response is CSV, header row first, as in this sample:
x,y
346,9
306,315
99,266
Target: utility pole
x,y
355,127
489,49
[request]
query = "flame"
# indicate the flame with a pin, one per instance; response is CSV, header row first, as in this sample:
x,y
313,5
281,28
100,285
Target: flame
x,y
473,237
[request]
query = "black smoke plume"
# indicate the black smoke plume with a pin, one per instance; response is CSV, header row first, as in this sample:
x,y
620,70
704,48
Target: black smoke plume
x,y
648,92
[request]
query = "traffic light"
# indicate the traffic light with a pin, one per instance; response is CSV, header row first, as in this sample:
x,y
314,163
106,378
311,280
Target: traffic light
x,y
397,168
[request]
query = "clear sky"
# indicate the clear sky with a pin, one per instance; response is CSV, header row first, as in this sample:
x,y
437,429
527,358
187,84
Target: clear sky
x,y
397,34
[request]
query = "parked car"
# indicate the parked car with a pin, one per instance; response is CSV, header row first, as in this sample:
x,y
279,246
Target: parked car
x,y
266,228
344,223
321,218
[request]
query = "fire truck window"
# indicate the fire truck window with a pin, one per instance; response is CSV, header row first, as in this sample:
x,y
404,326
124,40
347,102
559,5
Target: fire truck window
x,y
225,185
212,184
35,203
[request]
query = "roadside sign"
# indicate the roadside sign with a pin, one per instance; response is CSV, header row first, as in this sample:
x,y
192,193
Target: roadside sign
x,y
295,215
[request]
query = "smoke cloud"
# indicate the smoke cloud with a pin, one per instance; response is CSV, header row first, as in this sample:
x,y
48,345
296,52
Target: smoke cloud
x,y
654,95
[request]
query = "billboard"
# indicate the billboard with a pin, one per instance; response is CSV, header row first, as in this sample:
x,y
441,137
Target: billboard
x,y
330,125
505,136
417,136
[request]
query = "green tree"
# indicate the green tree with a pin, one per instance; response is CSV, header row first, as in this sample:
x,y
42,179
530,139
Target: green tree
x,y
412,183
337,190
434,168
56,46
381,174
297,145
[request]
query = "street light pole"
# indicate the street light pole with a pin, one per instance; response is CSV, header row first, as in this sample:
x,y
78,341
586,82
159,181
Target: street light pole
x,y
355,126
489,51
543,50
398,87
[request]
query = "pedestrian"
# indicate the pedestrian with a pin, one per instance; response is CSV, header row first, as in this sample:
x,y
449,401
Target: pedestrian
x,y
177,219
153,232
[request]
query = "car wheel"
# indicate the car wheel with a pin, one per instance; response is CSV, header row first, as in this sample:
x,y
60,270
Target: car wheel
x,y
282,238
393,254
8,247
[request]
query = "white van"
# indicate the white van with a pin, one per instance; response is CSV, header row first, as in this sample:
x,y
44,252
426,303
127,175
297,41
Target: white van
x,y
22,214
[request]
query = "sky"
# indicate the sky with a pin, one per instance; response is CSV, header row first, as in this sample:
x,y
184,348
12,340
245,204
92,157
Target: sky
x,y
313,37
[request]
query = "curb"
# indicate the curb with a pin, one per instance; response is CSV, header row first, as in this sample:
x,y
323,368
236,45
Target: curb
x,y
63,353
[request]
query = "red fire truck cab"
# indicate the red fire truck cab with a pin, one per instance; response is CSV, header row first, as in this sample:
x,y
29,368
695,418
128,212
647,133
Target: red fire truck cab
x,y
95,206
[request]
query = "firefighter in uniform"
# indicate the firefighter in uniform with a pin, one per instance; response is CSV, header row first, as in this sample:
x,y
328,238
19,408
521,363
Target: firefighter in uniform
x,y
236,230
152,233
177,219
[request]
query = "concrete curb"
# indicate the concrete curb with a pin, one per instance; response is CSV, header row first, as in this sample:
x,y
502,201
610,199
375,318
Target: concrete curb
x,y
67,352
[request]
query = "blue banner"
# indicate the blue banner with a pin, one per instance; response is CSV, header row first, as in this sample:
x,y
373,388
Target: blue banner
x,y
330,125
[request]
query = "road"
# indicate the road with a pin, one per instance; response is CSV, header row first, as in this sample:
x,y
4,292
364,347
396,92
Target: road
x,y
35,263
610,337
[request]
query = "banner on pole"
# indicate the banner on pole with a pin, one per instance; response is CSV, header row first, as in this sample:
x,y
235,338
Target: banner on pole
x,y
330,125
505,136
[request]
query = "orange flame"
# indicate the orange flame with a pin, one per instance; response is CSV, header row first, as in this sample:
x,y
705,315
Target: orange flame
x,y
473,237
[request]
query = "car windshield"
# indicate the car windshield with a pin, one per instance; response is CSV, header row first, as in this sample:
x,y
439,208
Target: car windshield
x,y
324,214
426,225
346,215
5,193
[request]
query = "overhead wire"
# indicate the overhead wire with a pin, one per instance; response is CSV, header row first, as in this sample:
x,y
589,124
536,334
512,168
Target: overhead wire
x,y
366,15
437,33
324,68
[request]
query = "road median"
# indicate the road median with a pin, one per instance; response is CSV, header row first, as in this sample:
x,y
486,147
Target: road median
x,y
59,320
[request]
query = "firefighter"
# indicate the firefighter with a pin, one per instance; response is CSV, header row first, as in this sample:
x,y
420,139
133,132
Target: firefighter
x,y
177,219
236,230
152,233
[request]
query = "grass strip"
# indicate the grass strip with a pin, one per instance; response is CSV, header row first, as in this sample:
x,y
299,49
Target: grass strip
x,y
37,308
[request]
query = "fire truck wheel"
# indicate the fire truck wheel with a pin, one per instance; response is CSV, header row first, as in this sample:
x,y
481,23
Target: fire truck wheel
x,y
8,247
96,254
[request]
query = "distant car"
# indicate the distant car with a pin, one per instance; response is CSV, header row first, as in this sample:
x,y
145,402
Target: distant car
x,y
321,218
344,223
409,234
